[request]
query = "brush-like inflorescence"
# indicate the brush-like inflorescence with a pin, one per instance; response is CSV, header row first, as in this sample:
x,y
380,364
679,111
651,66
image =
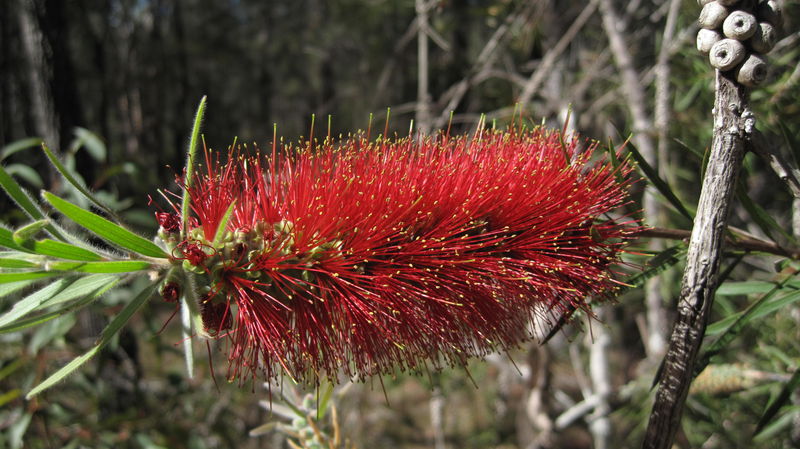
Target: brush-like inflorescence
x,y
366,257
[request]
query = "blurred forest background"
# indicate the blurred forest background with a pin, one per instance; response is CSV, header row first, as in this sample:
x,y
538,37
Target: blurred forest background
x,y
112,86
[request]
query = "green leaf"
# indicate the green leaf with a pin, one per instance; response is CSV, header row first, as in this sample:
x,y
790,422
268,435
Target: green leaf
x,y
762,218
116,266
325,393
47,247
190,164
19,145
11,368
760,308
19,196
64,171
116,324
186,329
50,331
220,232
25,275
58,292
744,288
731,326
106,229
62,250
7,262
655,266
89,140
660,184
782,399
18,325
27,232
13,287
34,301
27,173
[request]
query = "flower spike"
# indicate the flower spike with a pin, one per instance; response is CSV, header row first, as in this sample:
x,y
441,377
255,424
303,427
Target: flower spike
x,y
365,257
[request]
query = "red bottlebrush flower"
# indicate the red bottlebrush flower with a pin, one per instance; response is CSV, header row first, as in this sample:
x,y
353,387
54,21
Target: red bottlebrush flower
x,y
366,256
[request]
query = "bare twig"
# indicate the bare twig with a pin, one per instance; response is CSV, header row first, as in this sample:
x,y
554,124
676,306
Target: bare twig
x,y
550,58
736,240
453,96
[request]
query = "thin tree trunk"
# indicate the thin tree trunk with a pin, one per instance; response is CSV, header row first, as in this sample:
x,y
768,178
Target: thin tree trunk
x,y
657,322
733,123
599,347
41,98
423,113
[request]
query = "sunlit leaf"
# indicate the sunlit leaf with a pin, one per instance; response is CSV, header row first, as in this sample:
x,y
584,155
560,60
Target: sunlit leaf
x,y
190,162
106,229
116,266
47,247
27,232
7,262
75,182
25,275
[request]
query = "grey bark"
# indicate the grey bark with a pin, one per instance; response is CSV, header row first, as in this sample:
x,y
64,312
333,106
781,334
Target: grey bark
x,y
733,123
33,44
423,109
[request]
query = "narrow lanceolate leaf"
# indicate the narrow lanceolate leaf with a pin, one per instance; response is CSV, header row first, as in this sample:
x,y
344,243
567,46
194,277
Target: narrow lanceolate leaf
x,y
34,301
655,266
782,399
47,247
19,145
104,228
117,266
62,250
85,290
13,287
659,183
223,223
744,288
64,171
25,276
760,216
27,232
7,262
108,333
731,327
24,201
190,162
761,307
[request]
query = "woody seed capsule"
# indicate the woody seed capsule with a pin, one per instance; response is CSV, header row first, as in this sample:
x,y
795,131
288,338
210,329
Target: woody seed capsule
x,y
726,54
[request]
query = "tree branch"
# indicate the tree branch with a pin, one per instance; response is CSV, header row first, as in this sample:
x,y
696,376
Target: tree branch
x,y
734,240
733,124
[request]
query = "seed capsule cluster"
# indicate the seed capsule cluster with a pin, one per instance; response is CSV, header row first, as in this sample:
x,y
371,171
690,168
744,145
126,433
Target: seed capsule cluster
x,y
736,34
